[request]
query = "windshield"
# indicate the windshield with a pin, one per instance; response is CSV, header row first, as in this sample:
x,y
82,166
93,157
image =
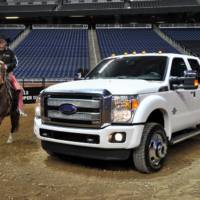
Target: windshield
x,y
138,67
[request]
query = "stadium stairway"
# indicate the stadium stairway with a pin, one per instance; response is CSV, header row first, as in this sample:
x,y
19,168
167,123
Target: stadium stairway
x,y
94,52
187,36
170,41
20,38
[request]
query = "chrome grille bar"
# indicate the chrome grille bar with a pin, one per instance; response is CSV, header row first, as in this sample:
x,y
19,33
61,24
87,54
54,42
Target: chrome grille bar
x,y
83,103
77,116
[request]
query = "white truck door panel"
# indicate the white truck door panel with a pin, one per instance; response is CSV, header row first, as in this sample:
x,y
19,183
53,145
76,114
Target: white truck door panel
x,y
182,101
195,94
182,116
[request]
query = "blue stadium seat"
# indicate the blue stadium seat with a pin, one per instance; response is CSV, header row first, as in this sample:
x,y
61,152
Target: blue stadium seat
x,y
121,40
11,34
187,37
53,53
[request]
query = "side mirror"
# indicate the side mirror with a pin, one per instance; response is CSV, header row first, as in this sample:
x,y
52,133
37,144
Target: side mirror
x,y
188,82
81,74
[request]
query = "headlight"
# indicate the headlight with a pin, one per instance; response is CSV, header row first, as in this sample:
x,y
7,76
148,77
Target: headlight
x,y
123,108
38,108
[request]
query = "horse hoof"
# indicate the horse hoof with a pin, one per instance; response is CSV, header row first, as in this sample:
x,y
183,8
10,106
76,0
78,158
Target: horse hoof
x,y
10,140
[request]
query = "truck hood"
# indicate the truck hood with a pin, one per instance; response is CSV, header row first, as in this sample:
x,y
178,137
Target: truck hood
x,y
114,86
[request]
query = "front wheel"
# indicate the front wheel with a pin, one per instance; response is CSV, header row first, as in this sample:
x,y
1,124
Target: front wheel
x,y
151,153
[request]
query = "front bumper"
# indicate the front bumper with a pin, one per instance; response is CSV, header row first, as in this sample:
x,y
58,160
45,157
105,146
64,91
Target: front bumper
x,y
133,135
86,152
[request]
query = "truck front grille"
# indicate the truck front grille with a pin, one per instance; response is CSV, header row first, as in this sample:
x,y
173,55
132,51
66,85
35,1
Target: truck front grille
x,y
92,110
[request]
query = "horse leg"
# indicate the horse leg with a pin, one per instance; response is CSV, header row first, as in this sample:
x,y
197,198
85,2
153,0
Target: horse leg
x,y
14,125
14,116
10,139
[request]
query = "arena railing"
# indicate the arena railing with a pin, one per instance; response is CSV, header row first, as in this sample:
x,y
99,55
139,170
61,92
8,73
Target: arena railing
x,y
132,25
195,25
90,1
60,26
34,2
12,26
42,82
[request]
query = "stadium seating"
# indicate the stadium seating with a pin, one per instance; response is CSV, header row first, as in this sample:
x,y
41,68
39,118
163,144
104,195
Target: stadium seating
x,y
176,3
187,37
144,4
11,6
25,8
89,6
30,2
120,4
53,53
119,41
11,34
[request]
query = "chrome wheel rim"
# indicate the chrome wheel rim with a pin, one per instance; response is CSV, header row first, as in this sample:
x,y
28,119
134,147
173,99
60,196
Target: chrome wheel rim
x,y
157,149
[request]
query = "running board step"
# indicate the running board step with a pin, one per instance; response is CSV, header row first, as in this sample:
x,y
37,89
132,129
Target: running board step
x,y
184,136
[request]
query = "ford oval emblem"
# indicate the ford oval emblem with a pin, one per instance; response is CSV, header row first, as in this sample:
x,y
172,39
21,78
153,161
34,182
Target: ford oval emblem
x,y
68,109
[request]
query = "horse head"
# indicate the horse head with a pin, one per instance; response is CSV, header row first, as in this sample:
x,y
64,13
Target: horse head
x,y
2,73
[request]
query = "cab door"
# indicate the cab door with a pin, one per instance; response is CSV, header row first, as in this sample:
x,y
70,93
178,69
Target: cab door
x,y
181,101
195,65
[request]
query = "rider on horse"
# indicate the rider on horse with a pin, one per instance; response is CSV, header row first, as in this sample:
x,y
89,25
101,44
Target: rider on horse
x,y
8,58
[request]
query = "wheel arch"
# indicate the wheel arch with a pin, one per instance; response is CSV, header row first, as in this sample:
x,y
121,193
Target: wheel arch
x,y
161,117
154,109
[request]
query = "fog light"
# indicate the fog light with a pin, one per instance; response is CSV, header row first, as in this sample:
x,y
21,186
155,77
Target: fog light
x,y
118,137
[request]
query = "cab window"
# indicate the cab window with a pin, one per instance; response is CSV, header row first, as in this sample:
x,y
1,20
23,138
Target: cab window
x,y
178,67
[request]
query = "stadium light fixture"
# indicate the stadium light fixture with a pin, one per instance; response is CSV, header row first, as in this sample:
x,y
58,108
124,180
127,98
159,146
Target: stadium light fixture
x,y
12,17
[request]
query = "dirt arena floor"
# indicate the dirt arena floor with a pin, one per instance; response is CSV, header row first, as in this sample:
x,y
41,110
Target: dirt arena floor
x,y
28,173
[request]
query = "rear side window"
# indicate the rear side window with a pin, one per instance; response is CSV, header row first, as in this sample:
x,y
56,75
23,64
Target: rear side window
x,y
178,67
194,64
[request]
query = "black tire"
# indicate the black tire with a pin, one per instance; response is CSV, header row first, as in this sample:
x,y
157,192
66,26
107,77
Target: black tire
x,y
151,153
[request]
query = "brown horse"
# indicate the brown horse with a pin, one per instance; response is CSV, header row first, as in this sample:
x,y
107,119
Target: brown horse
x,y
8,102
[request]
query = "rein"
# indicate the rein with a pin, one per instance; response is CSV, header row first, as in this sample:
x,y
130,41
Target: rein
x,y
2,73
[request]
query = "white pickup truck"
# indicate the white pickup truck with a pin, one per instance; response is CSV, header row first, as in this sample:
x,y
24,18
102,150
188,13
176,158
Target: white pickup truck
x,y
127,106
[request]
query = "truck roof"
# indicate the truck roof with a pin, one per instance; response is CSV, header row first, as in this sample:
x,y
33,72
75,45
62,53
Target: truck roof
x,y
170,55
